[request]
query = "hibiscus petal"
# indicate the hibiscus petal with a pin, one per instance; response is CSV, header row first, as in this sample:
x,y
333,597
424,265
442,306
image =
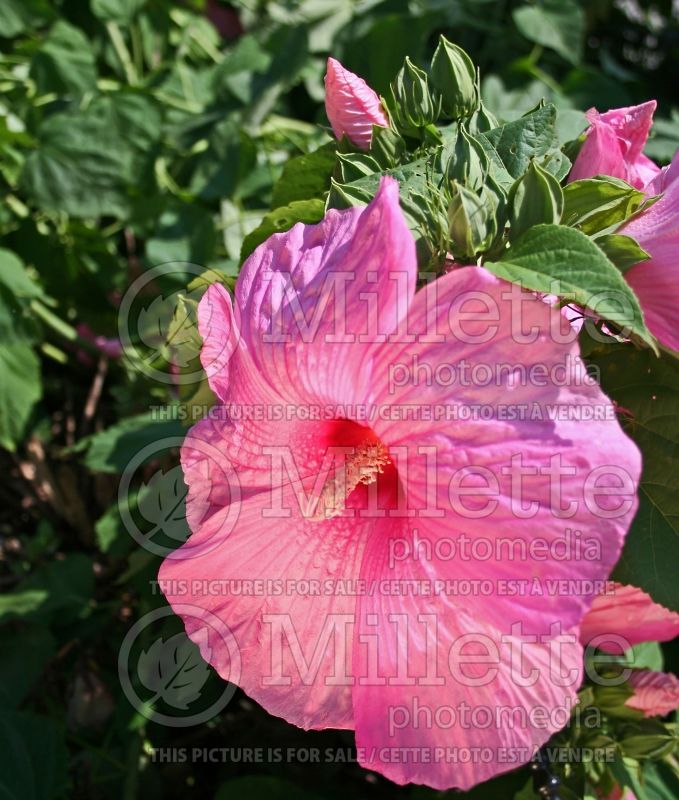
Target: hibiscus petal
x,y
441,698
656,281
630,613
614,145
541,457
349,281
271,612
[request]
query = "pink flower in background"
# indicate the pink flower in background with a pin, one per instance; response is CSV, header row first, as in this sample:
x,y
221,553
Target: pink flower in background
x,y
614,145
628,613
656,281
321,317
351,105
110,347
655,693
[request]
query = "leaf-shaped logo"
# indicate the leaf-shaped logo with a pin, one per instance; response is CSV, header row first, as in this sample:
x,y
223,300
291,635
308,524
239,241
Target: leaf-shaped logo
x,y
174,670
162,502
154,320
183,341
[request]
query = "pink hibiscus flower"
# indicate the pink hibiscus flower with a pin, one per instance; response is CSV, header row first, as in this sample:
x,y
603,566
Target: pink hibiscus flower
x,y
656,281
614,145
655,693
354,617
626,616
352,106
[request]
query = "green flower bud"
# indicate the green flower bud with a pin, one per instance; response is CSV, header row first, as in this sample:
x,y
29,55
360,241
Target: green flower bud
x,y
413,106
454,77
535,198
467,162
472,224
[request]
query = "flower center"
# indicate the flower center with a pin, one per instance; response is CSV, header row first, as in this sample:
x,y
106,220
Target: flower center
x,y
363,460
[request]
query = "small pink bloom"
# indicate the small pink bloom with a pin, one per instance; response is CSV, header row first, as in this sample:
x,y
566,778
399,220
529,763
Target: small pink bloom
x,y
656,281
351,105
655,693
111,348
628,616
620,793
305,362
614,145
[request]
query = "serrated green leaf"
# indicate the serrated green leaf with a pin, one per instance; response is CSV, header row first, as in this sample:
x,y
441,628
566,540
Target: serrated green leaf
x,y
531,136
563,261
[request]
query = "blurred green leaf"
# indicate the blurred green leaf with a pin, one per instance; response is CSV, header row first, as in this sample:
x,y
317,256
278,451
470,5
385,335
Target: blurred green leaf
x,y
33,757
121,11
648,389
112,449
90,163
25,653
65,63
20,390
17,16
263,787
19,603
184,233
557,24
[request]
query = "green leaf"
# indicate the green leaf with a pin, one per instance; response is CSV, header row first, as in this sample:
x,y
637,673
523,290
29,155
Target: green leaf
x,y
33,757
622,250
184,233
557,24
563,261
112,449
15,278
282,219
122,11
647,388
18,16
64,64
25,653
20,390
305,177
647,655
69,584
20,603
596,204
531,136
93,163
263,787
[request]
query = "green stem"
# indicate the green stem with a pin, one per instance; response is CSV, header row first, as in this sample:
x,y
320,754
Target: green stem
x,y
58,325
122,52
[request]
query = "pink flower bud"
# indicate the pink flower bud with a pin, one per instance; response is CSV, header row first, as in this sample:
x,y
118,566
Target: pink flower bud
x,y
351,105
655,693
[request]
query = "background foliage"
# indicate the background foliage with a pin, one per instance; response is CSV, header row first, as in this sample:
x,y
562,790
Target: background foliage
x,y
139,132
